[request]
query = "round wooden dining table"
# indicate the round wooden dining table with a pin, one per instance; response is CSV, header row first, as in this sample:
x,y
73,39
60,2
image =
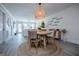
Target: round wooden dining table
x,y
43,34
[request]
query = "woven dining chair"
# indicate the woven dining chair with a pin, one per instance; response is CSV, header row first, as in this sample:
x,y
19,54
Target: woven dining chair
x,y
32,36
50,36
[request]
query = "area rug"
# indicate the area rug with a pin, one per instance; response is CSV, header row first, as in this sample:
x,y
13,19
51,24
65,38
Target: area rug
x,y
51,50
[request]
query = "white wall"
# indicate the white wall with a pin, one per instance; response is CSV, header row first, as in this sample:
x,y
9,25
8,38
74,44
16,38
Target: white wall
x,y
4,35
70,22
1,26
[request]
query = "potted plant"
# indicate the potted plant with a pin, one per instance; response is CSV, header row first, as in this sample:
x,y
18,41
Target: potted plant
x,y
42,24
64,31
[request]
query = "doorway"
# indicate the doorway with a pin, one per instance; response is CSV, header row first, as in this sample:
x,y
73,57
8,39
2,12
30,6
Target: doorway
x,y
19,28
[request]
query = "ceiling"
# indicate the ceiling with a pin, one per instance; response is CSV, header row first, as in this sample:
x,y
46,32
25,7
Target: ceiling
x,y
27,10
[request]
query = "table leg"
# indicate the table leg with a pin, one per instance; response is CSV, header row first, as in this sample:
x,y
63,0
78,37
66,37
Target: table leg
x,y
44,41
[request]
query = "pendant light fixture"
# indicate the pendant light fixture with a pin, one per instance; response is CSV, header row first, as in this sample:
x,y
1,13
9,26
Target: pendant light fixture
x,y
40,13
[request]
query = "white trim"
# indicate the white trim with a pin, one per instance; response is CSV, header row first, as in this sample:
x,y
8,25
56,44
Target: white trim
x,y
6,10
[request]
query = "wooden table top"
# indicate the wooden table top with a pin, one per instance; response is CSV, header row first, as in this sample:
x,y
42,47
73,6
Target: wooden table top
x,y
42,32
